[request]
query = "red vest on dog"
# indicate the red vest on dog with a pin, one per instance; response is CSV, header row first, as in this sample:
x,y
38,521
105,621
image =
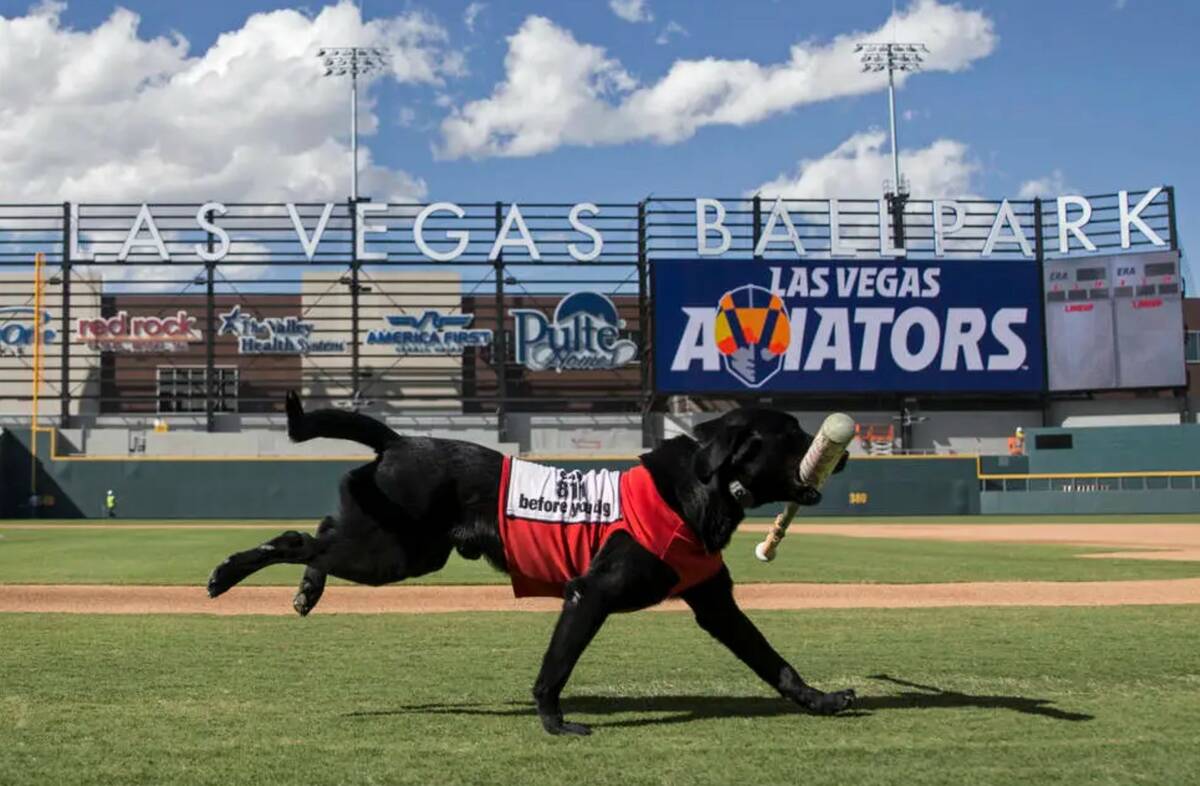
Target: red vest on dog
x,y
554,521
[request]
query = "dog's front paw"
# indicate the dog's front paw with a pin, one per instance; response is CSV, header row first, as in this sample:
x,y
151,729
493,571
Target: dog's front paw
x,y
831,703
300,604
222,578
558,726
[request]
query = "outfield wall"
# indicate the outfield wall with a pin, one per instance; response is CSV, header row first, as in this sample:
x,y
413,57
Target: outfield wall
x,y
306,487
1097,473
1088,503
1150,448
168,488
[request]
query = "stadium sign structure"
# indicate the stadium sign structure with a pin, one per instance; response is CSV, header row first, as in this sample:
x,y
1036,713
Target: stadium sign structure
x,y
432,333
274,335
634,301
584,334
16,330
952,226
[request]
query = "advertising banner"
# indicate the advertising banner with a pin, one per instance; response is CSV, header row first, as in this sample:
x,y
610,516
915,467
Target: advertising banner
x,y
140,332
16,329
584,334
285,335
847,326
432,333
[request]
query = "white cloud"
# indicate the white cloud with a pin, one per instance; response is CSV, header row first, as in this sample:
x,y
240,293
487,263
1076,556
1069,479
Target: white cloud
x,y
558,91
1051,185
673,28
105,114
857,168
631,10
471,14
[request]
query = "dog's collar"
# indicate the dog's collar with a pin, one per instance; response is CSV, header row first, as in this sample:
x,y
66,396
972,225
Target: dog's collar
x,y
741,494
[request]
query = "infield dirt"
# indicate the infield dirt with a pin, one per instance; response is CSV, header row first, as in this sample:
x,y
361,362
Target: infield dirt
x,y
107,599
1132,541
1141,541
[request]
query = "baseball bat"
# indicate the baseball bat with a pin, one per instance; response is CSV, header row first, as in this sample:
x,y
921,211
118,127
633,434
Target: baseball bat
x,y
815,468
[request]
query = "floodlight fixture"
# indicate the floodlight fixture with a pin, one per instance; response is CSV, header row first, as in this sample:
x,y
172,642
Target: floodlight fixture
x,y
892,57
352,61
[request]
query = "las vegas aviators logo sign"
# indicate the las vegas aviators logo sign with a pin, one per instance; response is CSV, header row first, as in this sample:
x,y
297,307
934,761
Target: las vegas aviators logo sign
x,y
847,327
752,333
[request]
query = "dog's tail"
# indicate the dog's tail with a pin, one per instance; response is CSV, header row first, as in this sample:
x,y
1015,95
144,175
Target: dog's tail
x,y
336,424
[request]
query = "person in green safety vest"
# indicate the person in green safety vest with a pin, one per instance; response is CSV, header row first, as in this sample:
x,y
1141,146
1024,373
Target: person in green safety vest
x,y
110,504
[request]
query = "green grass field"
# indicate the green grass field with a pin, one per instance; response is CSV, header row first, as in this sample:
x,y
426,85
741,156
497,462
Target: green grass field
x,y
1072,696
949,696
185,556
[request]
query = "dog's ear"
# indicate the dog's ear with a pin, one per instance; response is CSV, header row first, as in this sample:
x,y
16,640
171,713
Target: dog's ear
x,y
724,441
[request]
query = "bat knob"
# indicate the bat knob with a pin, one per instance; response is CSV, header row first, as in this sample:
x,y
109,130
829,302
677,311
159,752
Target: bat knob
x,y
761,552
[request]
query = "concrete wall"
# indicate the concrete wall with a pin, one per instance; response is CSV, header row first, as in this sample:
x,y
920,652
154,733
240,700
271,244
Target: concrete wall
x,y
385,373
684,423
569,434
973,432
1134,410
16,362
132,438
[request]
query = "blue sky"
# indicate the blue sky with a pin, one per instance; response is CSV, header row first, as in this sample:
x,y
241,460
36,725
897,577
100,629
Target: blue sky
x,y
1086,97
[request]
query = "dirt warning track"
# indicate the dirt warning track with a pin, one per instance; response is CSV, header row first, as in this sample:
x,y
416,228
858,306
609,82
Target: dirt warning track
x,y
107,599
1128,541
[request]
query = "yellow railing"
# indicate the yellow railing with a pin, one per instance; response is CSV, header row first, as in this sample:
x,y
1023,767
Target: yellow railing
x,y
38,261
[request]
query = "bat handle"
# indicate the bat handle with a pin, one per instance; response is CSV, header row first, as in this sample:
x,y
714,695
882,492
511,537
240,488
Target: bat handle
x,y
765,551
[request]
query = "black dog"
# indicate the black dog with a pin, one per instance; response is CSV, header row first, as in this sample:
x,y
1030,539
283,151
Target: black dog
x,y
402,514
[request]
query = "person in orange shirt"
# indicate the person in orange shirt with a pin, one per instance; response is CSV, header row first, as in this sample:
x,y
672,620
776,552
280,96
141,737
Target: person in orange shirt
x,y
1016,443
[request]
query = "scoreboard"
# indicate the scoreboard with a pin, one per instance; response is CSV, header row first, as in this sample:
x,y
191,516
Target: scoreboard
x,y
1114,322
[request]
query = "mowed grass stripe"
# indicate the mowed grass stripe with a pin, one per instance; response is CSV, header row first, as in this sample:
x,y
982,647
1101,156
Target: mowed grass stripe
x,y
185,556
1068,696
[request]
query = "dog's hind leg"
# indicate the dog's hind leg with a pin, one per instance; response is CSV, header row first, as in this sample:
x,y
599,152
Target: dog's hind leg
x,y
623,577
718,614
291,547
312,586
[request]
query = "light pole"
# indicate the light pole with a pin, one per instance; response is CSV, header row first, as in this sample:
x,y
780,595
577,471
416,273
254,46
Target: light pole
x,y
892,58
352,60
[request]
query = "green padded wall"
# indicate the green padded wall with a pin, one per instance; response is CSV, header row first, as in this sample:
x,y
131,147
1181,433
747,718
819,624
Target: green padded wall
x,y
308,489
1118,449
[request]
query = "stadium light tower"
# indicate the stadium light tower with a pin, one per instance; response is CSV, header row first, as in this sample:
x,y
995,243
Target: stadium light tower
x,y
892,58
355,61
